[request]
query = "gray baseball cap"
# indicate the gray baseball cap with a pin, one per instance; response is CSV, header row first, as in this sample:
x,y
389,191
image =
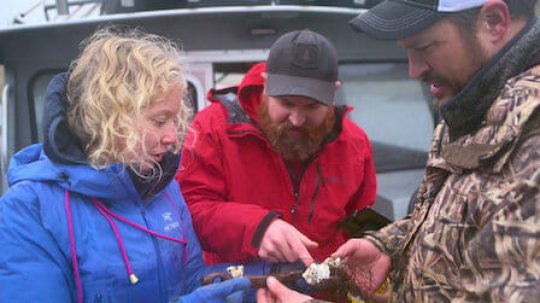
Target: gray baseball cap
x,y
302,63
398,19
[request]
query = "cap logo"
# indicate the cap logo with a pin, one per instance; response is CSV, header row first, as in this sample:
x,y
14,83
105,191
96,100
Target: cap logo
x,y
305,55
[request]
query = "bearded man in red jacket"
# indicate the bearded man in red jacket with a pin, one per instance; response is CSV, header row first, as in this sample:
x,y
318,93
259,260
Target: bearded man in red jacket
x,y
273,165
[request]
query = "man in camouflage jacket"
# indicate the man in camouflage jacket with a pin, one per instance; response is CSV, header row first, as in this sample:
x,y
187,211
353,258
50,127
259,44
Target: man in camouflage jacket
x,y
474,235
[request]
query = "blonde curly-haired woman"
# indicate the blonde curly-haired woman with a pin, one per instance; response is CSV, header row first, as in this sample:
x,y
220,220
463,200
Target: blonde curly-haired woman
x,y
93,214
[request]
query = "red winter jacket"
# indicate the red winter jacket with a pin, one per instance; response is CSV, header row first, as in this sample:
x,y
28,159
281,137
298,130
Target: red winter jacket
x,y
235,184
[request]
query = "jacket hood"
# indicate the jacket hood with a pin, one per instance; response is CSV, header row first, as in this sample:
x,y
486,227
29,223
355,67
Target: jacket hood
x,y
115,182
249,91
251,88
60,159
32,164
59,143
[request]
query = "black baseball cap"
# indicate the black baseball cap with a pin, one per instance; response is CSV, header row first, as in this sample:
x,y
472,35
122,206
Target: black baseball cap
x,y
302,63
398,19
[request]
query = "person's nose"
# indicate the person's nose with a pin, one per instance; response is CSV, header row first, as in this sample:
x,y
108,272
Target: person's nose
x,y
169,135
297,118
418,67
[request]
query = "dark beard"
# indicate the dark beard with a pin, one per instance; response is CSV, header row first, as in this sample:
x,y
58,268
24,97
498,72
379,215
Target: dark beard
x,y
478,59
298,148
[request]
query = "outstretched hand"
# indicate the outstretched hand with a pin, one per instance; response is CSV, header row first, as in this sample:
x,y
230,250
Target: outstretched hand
x,y
362,254
284,243
278,293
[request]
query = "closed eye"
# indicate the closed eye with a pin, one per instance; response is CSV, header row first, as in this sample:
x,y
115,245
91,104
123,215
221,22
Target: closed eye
x,y
423,48
314,106
287,103
159,122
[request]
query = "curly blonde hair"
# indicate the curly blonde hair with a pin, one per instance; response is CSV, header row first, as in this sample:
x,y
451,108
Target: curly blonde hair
x,y
118,74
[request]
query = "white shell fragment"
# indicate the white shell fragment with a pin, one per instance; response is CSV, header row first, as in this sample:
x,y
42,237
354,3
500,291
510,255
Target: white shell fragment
x,y
317,272
333,263
236,271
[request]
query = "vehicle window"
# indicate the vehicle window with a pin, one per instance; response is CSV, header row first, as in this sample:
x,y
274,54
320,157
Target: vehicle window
x,y
223,80
392,109
191,97
230,74
39,88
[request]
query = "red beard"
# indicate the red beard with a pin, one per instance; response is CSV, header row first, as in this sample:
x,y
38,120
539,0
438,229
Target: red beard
x,y
294,148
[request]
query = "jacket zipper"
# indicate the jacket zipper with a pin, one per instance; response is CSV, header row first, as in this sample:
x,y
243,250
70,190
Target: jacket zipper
x,y
320,180
295,203
159,261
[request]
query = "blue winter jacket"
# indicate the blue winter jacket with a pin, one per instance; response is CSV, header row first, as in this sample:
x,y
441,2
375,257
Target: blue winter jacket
x,y
35,252
35,242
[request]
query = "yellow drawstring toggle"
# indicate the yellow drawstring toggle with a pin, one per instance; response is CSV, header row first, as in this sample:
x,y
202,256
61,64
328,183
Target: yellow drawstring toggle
x,y
385,288
133,278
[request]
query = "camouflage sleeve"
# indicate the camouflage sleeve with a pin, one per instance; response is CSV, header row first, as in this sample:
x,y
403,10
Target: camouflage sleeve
x,y
391,238
502,260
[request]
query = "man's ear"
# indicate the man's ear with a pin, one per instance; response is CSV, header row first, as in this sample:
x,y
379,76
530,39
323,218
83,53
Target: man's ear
x,y
495,21
338,84
264,76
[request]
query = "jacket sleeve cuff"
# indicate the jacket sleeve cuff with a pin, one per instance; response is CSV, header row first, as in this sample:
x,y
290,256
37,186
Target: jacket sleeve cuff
x,y
375,241
261,228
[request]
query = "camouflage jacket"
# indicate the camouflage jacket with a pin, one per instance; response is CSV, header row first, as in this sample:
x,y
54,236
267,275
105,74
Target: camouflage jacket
x,y
474,235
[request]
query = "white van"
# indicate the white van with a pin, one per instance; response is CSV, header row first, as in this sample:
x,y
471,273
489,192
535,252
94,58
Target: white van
x,y
221,40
